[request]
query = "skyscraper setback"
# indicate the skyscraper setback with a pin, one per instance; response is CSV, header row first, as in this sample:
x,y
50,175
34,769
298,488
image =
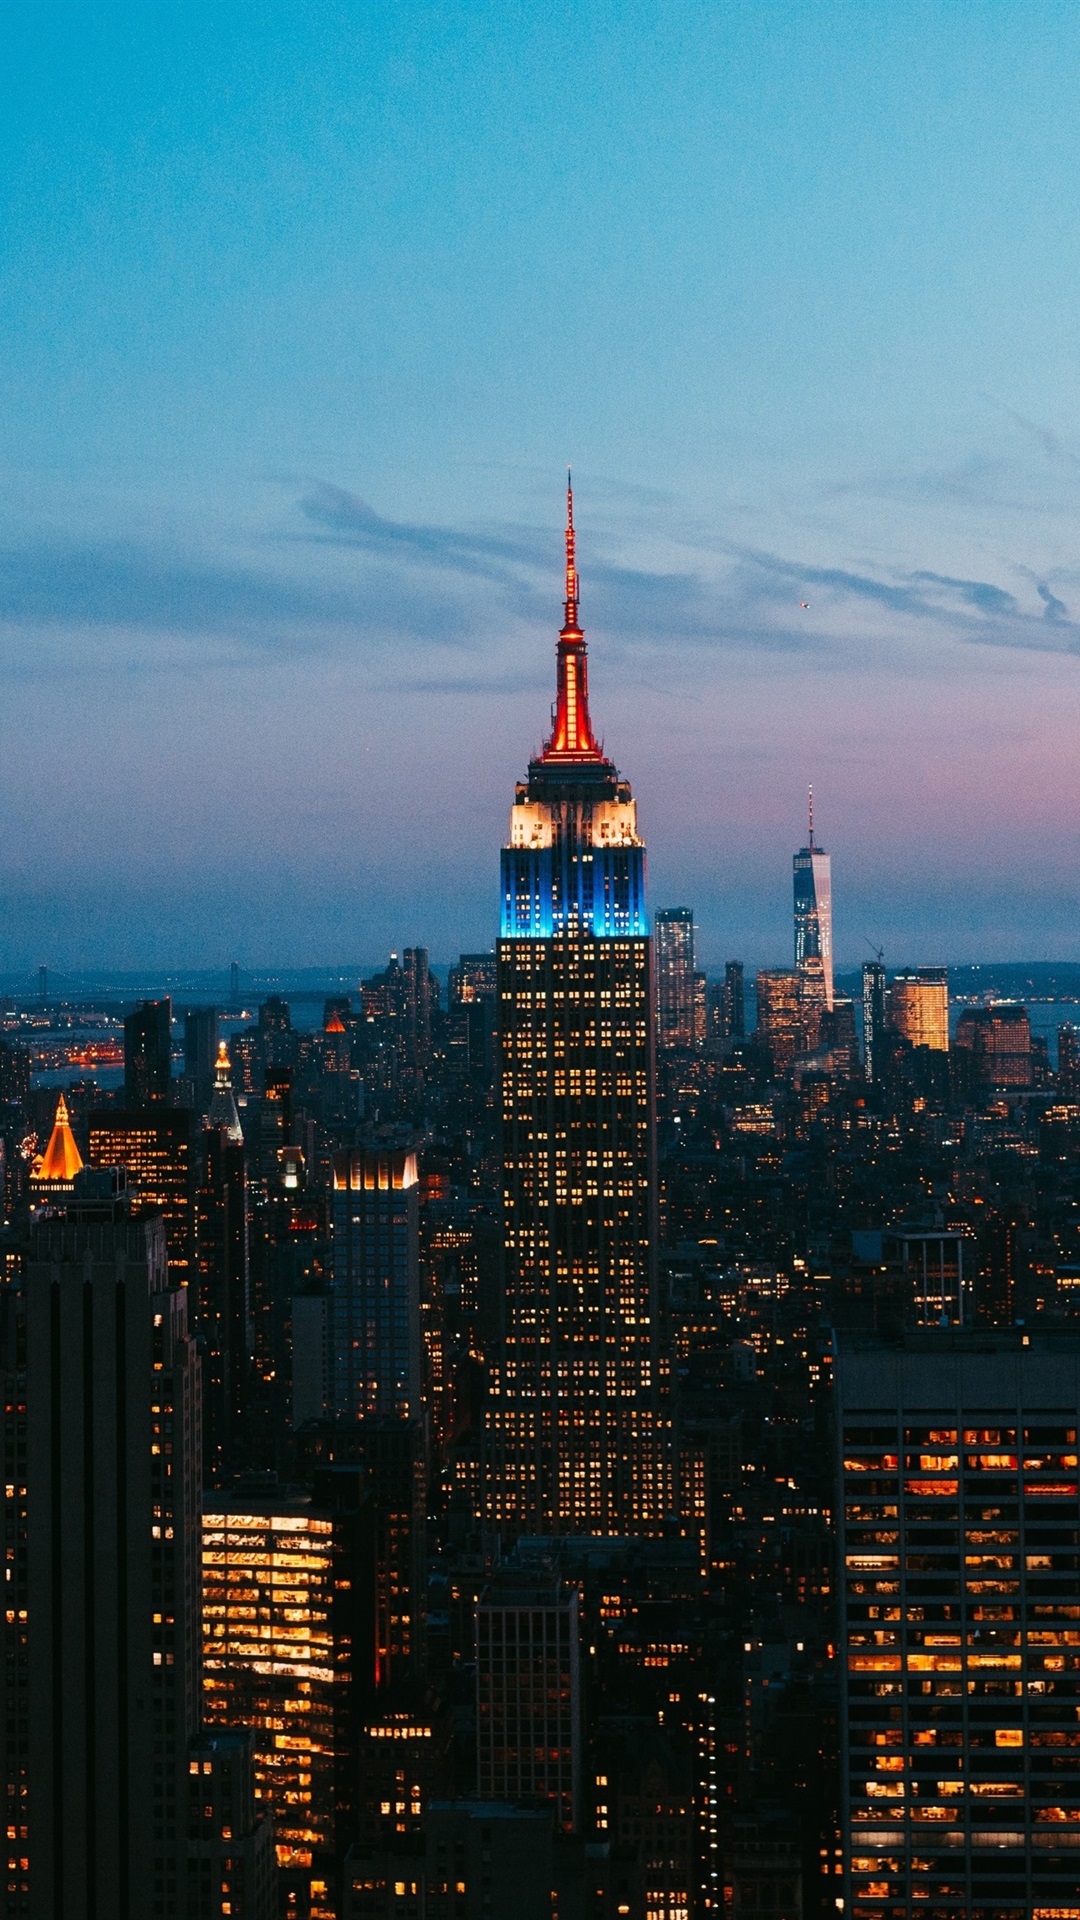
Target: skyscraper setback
x,y
575,1428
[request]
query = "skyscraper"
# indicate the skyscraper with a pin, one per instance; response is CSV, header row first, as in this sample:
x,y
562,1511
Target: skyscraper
x,y
812,879
960,1694
200,1053
675,977
101,1395
289,1650
574,1419
998,1038
154,1143
374,1303
148,1052
918,1007
528,1695
873,1012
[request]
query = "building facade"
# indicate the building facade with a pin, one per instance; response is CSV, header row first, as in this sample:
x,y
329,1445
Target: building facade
x,y
675,977
917,1007
960,1630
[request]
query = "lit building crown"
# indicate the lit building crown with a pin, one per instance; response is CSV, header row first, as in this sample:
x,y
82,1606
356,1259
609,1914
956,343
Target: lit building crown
x,y
61,1159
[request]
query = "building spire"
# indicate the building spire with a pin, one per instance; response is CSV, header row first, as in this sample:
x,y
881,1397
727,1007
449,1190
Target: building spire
x,y
571,570
572,736
810,792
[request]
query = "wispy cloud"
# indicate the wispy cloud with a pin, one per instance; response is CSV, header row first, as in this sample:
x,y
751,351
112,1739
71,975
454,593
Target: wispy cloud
x,y
445,603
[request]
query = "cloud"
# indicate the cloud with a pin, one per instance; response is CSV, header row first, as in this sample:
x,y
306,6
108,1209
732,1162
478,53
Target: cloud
x,y
434,606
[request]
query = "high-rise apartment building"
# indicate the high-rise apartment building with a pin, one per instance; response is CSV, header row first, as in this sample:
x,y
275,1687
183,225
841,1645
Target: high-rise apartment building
x,y
917,1007
155,1145
812,889
575,1434
148,1053
528,1696
958,1507
674,945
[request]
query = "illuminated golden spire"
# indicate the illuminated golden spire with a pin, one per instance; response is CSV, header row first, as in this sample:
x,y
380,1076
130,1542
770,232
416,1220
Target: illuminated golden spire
x,y
61,1159
572,736
571,570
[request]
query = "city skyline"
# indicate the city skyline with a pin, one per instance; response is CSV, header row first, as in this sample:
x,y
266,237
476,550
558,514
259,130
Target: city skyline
x,y
280,518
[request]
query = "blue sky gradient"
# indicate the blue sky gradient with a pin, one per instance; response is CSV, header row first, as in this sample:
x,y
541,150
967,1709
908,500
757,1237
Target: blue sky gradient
x,y
303,312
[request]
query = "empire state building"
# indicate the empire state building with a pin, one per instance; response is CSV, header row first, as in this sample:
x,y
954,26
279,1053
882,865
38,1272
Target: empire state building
x,y
576,1437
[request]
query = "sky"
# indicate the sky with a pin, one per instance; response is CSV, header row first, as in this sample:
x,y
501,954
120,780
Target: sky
x,y
303,313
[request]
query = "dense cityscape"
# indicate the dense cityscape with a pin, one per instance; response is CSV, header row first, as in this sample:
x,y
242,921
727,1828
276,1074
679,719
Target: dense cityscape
x,y
571,1435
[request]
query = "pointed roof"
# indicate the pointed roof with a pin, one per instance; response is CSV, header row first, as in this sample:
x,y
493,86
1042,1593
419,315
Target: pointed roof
x,y
223,1105
572,736
61,1159
335,1024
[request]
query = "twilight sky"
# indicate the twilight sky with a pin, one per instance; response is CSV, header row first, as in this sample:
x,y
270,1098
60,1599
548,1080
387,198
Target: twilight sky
x,y
303,311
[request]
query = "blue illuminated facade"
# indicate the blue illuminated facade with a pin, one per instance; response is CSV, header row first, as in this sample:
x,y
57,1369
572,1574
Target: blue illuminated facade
x,y
547,890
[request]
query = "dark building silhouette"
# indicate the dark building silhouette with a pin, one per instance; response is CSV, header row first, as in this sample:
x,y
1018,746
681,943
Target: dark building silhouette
x,y
200,1054
102,1379
148,1053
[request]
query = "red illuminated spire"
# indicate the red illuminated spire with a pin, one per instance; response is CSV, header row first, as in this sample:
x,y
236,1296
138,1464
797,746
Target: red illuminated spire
x,y
572,737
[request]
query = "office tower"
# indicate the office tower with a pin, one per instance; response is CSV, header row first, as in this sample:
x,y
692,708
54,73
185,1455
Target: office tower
x,y
276,1037
812,887
374,1301
780,1019
1068,1067
101,1628
958,1517
52,1175
148,1053
288,1650
700,997
735,1000
873,1013
917,1007
674,944
223,1293
471,1008
200,1053
998,1039
576,1442
155,1145
837,1037
421,1001
14,1074
473,978
528,1696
